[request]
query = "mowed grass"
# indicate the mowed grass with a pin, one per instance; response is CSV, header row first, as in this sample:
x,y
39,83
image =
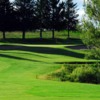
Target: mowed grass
x,y
34,36
46,34
21,65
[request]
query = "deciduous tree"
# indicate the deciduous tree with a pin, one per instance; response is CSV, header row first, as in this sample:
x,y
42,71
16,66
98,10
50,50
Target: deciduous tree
x,y
91,27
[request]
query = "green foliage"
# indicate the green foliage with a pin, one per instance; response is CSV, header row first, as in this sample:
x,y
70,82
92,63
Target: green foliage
x,y
85,73
91,28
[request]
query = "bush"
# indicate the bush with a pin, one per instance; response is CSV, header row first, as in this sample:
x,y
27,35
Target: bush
x,y
70,67
66,71
97,72
63,75
60,74
84,74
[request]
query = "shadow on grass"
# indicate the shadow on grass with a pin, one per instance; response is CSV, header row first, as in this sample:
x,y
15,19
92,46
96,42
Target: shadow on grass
x,y
18,58
43,41
43,50
29,41
74,41
26,53
78,47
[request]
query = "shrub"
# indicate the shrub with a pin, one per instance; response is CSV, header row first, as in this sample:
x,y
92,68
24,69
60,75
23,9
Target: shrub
x,y
60,74
86,74
70,67
63,75
66,71
97,72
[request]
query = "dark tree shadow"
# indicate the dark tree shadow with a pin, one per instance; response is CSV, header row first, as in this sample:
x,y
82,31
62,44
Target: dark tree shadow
x,y
78,47
43,41
29,41
74,41
18,58
44,50
29,53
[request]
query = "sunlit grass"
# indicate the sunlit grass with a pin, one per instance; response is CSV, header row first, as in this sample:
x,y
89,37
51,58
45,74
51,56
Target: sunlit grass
x,y
22,64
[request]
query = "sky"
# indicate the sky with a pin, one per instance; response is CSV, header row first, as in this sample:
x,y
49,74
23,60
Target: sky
x,y
79,6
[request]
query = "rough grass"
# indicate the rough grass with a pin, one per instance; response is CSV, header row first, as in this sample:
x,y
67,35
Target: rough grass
x,y
21,64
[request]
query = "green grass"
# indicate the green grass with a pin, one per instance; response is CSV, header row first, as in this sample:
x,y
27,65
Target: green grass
x,y
33,37
46,34
22,64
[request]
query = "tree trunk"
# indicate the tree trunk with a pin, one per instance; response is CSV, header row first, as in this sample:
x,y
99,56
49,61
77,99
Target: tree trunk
x,y
23,35
4,37
53,34
53,31
68,24
40,33
68,33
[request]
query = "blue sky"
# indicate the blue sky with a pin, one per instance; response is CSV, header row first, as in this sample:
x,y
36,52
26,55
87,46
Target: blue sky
x,y
80,7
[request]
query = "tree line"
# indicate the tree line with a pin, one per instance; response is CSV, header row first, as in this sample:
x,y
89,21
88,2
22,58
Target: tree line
x,y
29,15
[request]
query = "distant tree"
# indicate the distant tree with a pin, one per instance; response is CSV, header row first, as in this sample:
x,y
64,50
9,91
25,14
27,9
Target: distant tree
x,y
5,16
43,14
39,14
71,15
25,13
46,15
60,22
54,17
91,27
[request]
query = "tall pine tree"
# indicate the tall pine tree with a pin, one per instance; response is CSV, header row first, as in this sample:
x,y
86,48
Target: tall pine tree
x,y
43,14
71,15
25,14
54,9
5,16
39,14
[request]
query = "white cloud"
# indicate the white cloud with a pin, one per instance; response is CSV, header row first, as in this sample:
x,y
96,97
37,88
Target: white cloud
x,y
81,13
80,4
11,0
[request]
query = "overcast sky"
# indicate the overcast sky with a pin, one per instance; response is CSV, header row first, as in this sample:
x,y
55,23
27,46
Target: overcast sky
x,y
80,7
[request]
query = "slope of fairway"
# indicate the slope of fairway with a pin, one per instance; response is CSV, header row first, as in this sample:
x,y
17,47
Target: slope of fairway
x,y
20,66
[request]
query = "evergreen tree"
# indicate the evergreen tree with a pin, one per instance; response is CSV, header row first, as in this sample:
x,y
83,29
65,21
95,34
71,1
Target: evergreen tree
x,y
25,14
43,15
39,14
57,16
54,17
60,22
46,15
71,15
5,16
